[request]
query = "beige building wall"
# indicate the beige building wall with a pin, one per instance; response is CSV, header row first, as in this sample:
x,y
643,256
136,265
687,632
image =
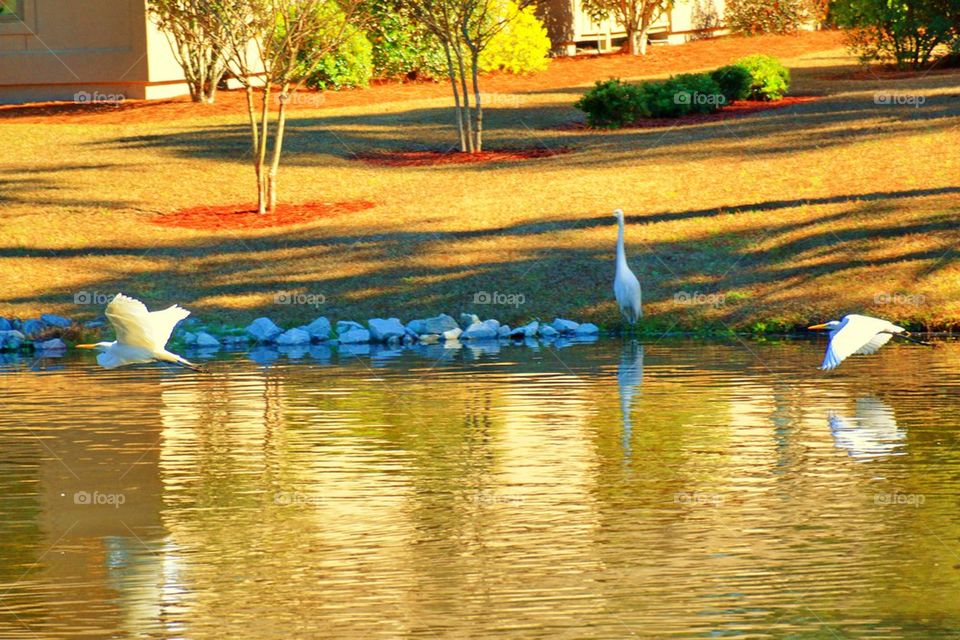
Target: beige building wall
x,y
85,50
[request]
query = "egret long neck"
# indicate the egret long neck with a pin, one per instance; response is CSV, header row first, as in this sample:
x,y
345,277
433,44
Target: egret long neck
x,y
621,254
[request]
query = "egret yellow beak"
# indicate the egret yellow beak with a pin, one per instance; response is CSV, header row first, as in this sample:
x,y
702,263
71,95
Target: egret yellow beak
x,y
817,326
86,346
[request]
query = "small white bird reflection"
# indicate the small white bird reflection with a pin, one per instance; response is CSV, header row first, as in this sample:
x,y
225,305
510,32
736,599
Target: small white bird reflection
x,y
871,433
629,377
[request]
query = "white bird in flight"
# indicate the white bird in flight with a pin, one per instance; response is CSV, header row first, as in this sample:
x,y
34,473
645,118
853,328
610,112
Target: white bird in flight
x,y
626,287
858,335
141,335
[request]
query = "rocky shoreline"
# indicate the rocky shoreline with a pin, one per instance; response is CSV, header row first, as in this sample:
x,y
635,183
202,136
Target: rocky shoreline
x,y
52,334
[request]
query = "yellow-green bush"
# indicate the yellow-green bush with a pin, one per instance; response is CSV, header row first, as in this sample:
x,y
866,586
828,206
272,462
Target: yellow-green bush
x,y
521,47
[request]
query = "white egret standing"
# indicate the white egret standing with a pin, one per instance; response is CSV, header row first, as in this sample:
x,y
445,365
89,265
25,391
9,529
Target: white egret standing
x,y
860,335
141,335
626,287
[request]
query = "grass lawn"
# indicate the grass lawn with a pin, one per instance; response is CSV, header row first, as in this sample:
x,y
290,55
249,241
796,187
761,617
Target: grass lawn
x,y
765,222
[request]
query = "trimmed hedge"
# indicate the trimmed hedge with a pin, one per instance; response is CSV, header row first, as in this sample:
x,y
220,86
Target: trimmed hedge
x,y
614,103
770,80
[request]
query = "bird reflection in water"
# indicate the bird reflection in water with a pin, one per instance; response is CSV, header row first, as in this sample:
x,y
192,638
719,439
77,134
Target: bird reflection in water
x,y
629,377
871,433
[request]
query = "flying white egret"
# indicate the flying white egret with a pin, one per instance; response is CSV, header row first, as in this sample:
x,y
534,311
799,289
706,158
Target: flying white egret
x,y
141,335
626,287
860,335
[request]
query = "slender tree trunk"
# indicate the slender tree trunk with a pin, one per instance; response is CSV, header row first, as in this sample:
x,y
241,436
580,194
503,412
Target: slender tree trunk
x,y
277,146
632,43
477,104
262,151
451,72
467,114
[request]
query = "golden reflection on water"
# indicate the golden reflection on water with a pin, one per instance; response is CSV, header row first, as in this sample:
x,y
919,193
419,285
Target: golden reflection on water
x,y
599,491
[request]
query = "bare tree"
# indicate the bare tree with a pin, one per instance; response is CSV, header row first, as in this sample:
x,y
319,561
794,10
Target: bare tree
x,y
635,16
274,45
464,28
194,34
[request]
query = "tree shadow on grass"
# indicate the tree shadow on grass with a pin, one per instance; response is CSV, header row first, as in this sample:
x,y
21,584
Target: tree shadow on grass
x,y
312,141
413,274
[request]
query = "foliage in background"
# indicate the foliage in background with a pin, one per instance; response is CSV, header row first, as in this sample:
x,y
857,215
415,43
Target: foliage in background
x,y
907,33
522,46
349,65
770,80
752,17
636,17
195,37
403,46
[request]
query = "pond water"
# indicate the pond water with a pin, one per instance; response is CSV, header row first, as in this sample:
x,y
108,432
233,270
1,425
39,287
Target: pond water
x,y
605,490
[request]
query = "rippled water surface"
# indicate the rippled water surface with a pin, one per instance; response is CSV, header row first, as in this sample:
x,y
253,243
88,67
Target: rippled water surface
x,y
607,490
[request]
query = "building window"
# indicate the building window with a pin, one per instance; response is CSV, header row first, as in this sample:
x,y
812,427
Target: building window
x,y
10,9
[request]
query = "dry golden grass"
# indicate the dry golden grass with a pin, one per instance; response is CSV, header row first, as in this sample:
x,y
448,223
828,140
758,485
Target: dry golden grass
x,y
786,216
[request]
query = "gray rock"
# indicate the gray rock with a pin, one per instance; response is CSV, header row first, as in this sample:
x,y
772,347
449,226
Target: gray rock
x,y
504,331
263,330
11,340
5,325
319,329
348,325
452,334
439,324
354,336
587,329
55,320
410,333
51,345
417,326
431,338
561,325
546,331
385,330
32,327
189,338
293,337
16,324
204,340
408,340
467,319
528,330
95,324
481,330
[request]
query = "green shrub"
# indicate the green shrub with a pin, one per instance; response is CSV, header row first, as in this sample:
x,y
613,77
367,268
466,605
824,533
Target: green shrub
x,y
908,33
611,103
351,65
521,47
770,80
734,81
752,17
681,95
402,46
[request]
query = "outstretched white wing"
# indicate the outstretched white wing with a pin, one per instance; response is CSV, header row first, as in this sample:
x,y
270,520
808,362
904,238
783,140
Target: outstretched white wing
x,y
874,345
858,334
137,327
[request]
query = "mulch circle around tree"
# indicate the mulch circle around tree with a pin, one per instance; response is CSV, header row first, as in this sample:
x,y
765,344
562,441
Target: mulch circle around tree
x,y
733,110
244,216
433,158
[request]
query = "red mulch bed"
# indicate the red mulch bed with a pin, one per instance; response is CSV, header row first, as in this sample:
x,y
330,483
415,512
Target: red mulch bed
x,y
733,110
220,217
433,158
562,73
